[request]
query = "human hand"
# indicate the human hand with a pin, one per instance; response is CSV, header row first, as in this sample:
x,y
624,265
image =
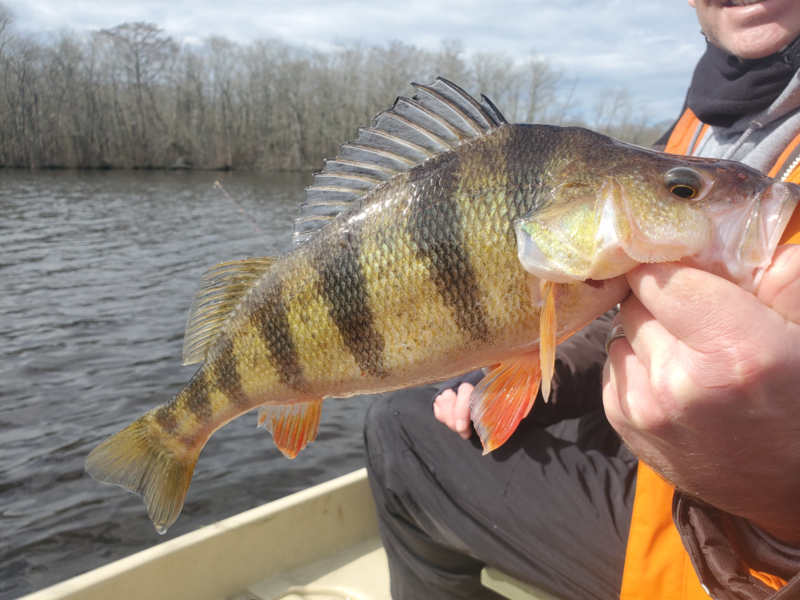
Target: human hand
x,y
452,409
706,388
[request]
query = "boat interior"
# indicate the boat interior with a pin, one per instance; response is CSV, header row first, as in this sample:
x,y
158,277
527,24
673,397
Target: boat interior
x,y
318,544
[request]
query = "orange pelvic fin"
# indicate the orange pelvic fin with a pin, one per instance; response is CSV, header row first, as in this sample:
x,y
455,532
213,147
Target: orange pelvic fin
x,y
547,336
503,398
293,425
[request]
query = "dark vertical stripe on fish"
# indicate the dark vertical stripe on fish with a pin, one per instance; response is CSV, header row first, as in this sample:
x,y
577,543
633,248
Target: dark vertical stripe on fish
x,y
228,380
523,172
436,231
272,322
196,399
193,398
164,415
343,285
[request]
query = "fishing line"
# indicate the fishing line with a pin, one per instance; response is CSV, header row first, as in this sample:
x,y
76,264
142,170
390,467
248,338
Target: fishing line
x,y
267,245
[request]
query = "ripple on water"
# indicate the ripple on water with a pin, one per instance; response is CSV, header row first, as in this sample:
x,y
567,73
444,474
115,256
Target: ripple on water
x,y
98,270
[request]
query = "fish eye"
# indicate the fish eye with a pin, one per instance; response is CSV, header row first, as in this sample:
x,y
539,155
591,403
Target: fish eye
x,y
684,182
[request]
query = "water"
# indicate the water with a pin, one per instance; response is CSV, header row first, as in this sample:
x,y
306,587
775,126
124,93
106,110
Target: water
x,y
97,273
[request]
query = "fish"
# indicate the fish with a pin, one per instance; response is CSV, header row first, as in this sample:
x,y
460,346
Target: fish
x,y
441,240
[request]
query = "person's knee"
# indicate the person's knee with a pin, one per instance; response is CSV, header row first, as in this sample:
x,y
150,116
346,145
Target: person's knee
x,y
381,433
393,419
378,419
388,413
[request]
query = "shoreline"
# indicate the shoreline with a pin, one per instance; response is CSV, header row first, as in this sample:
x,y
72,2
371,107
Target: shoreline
x,y
173,168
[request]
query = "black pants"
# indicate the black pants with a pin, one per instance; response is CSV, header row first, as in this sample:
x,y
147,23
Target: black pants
x,y
551,507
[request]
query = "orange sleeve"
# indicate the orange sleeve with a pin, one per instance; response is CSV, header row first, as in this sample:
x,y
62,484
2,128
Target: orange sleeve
x,y
656,563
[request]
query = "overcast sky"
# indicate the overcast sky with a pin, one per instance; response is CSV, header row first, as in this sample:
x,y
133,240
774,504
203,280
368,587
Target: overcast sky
x,y
647,46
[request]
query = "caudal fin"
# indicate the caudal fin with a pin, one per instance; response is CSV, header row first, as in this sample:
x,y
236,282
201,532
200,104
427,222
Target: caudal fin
x,y
134,459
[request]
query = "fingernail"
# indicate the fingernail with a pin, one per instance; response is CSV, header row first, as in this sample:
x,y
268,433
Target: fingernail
x,y
460,424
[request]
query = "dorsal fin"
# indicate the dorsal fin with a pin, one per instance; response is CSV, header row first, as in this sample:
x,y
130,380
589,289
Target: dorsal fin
x,y
219,293
438,118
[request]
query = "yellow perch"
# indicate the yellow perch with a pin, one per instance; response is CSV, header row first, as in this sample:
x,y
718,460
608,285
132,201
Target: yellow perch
x,y
441,240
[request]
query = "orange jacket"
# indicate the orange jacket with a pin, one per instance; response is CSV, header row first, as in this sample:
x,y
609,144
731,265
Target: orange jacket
x,y
657,566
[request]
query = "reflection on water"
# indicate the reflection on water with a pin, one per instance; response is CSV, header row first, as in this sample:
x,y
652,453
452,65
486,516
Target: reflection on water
x,y
97,273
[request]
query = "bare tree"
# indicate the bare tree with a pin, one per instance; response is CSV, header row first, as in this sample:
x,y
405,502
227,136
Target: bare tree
x,y
543,85
131,97
142,52
7,18
617,114
449,61
496,76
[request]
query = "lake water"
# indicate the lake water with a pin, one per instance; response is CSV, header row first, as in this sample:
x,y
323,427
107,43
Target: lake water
x,y
97,273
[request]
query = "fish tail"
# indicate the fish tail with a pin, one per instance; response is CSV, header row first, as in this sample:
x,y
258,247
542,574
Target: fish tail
x,y
136,459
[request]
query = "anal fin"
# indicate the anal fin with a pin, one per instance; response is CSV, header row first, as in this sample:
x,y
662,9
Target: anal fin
x,y
293,425
503,398
547,336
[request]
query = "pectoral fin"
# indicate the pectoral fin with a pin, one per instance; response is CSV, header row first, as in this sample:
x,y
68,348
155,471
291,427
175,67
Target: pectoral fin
x,y
292,426
503,398
547,335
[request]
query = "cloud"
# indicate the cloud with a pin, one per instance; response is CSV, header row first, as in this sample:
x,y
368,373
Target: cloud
x,y
649,48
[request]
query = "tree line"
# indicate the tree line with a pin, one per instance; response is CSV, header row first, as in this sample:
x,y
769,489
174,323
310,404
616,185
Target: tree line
x,y
132,97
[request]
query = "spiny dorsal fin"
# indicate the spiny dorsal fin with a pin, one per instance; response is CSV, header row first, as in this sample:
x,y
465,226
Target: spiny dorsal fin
x,y
220,291
438,118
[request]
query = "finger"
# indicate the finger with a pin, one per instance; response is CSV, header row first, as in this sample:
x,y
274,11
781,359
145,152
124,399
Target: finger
x,y
628,399
614,384
699,308
463,425
443,408
649,339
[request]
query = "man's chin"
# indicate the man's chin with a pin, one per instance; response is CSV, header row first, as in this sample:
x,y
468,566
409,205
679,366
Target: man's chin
x,y
750,29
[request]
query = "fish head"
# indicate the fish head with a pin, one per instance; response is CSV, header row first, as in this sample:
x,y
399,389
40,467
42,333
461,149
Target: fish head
x,y
606,212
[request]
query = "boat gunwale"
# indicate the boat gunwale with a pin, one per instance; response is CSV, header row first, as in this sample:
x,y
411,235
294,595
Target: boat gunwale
x,y
340,513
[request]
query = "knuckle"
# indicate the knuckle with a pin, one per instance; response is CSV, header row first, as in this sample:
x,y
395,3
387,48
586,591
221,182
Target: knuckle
x,y
446,396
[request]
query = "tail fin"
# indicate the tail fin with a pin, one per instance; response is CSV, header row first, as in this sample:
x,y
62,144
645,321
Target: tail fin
x,y
134,459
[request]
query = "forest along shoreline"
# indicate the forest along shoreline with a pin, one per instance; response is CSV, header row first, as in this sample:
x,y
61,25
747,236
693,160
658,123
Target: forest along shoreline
x,y
132,97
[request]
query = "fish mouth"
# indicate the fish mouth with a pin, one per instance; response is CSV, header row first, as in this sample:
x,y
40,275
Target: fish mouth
x,y
745,257
743,238
777,205
780,204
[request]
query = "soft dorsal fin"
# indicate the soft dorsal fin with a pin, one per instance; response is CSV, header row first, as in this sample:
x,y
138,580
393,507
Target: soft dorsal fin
x,y
438,118
219,293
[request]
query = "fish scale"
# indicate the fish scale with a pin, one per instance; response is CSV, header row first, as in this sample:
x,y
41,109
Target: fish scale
x,y
443,239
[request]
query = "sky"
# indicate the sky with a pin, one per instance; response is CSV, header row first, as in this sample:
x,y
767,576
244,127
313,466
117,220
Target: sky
x,y
649,47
